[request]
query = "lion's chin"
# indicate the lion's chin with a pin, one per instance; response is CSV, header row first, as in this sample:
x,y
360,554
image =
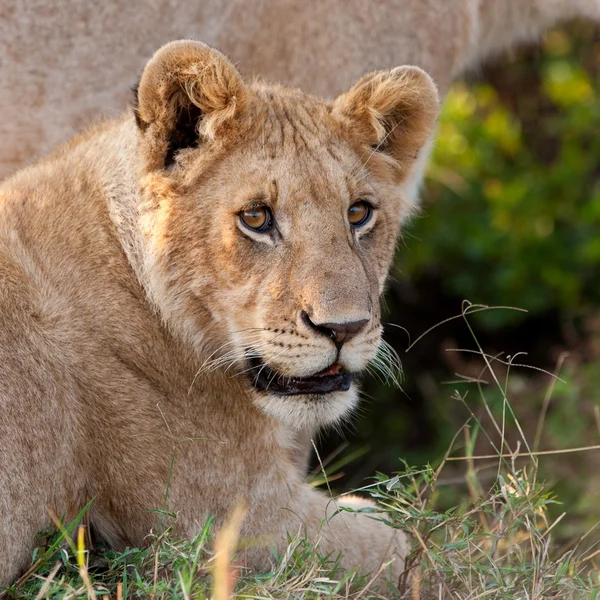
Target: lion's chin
x,y
308,411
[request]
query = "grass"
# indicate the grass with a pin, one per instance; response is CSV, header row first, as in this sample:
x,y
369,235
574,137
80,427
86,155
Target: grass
x,y
495,543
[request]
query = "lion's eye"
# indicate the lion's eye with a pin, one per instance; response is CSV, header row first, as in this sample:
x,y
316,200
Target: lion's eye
x,y
360,213
257,218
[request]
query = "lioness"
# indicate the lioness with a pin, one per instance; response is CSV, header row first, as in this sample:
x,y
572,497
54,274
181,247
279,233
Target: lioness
x,y
186,290
63,63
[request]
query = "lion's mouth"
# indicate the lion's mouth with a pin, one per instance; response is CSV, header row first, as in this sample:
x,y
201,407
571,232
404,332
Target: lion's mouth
x,y
331,379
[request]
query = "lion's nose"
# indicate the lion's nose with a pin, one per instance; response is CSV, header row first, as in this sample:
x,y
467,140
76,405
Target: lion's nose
x,y
338,332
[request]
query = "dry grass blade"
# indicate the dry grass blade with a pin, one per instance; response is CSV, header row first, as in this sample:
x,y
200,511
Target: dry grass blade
x,y
48,581
226,540
528,454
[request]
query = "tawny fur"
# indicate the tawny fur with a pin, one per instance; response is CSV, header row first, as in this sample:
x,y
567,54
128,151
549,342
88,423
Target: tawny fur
x,y
130,293
64,64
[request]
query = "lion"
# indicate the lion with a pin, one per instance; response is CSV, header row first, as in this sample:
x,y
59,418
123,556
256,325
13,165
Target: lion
x,y
188,290
65,64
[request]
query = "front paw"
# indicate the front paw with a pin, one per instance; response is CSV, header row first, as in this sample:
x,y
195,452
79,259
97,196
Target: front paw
x,y
363,539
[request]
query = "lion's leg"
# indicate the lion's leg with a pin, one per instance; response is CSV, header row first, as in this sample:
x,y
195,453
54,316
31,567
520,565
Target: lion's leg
x,y
280,506
36,474
22,507
362,540
39,425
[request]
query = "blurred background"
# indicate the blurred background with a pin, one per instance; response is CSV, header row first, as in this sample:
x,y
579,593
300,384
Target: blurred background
x,y
511,217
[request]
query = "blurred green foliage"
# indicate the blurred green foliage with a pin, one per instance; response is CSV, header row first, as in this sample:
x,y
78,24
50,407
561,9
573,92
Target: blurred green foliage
x,y
512,211
511,217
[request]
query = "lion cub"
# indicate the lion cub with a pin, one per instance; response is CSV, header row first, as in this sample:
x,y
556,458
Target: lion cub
x,y
189,290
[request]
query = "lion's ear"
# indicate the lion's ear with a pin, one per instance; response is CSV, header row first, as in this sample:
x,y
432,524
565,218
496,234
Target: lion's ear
x,y
188,91
393,111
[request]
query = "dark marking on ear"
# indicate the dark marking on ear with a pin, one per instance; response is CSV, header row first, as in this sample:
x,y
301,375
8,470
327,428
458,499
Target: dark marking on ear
x,y
185,129
184,133
142,125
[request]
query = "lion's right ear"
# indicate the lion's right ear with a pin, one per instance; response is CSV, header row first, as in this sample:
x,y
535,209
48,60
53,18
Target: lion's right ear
x,y
393,111
187,93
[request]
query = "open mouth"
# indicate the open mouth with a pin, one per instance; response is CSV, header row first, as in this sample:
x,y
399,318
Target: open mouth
x,y
331,379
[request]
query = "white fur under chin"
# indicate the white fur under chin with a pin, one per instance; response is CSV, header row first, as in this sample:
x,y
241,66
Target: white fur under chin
x,y
308,412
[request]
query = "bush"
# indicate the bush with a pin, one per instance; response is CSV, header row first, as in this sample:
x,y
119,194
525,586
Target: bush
x,y
513,210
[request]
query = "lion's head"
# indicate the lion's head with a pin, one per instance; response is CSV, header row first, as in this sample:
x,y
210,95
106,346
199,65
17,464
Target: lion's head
x,y
271,218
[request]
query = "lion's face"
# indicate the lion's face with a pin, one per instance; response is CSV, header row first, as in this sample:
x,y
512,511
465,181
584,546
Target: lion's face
x,y
274,227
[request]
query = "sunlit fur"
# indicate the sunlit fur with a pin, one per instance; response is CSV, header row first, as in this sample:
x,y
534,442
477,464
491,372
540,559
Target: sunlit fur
x,y
130,299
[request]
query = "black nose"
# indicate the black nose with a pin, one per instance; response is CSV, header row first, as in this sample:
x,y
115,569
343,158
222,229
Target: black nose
x,y
338,332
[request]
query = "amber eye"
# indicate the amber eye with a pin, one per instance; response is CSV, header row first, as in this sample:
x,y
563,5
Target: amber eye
x,y
360,213
257,218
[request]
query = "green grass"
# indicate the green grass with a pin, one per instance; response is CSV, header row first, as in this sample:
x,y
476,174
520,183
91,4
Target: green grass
x,y
495,542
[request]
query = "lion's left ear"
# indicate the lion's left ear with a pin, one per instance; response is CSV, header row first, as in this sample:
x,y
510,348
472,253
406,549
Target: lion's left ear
x,y
188,94
393,111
